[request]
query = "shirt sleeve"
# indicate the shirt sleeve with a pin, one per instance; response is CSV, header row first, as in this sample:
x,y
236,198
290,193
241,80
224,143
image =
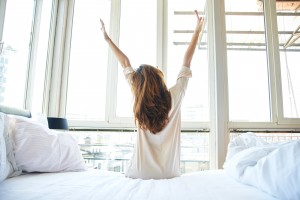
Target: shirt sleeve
x,y
178,90
183,77
128,73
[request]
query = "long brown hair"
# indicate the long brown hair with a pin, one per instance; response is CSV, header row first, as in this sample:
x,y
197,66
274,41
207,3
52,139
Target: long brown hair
x,y
152,99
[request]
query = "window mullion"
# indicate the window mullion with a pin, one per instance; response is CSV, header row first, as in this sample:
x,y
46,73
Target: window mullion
x,y
161,41
164,35
32,55
46,97
273,61
112,71
2,16
54,77
66,58
218,83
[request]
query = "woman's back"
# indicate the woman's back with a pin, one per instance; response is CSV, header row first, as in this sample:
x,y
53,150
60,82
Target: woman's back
x,y
157,156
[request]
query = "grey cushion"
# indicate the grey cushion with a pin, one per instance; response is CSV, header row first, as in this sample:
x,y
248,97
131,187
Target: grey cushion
x,y
15,111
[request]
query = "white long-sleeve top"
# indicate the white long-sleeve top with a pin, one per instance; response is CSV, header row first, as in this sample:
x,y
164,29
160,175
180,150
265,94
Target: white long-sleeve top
x,y
157,156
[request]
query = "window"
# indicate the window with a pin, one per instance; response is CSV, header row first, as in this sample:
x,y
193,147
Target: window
x,y
101,95
41,56
138,41
181,24
263,83
23,60
17,46
248,77
288,19
86,95
112,151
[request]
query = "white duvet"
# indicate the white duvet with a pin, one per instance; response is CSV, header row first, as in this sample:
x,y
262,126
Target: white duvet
x,y
272,168
104,185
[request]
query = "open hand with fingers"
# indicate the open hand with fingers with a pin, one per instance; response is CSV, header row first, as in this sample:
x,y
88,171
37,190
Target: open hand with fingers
x,y
122,58
200,22
106,37
192,45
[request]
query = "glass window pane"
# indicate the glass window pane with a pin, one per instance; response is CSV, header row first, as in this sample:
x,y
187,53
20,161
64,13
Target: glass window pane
x,y
181,23
15,54
288,20
247,61
113,150
88,61
41,57
138,41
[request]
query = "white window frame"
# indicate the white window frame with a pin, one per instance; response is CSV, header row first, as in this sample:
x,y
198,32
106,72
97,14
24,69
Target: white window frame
x,y
275,70
219,114
2,17
111,120
57,72
35,27
32,53
55,95
272,21
278,121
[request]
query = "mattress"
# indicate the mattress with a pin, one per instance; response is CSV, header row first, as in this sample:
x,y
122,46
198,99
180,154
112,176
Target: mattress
x,y
96,184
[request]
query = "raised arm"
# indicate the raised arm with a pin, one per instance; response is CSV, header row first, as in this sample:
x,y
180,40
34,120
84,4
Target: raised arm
x,y
122,58
192,46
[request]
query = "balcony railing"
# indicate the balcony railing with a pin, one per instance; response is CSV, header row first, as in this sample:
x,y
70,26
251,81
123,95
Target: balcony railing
x,y
113,150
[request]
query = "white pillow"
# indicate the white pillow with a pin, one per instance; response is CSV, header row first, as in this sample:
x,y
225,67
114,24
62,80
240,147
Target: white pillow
x,y
242,142
3,159
35,117
41,118
39,149
8,167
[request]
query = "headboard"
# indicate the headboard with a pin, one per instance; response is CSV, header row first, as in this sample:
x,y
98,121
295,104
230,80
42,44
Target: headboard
x,y
15,111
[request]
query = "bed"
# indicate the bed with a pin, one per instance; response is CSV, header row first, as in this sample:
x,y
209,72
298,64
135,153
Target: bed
x,y
64,177
95,184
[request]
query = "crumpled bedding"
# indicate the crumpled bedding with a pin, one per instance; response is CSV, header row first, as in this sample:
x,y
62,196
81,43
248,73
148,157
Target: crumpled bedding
x,y
272,168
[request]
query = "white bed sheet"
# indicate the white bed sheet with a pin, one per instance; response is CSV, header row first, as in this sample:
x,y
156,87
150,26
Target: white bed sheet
x,y
95,184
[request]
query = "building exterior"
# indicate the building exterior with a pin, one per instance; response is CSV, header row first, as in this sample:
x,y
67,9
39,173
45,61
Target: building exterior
x,y
4,69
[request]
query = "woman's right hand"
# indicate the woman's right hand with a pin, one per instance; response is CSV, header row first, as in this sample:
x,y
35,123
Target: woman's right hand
x,y
200,21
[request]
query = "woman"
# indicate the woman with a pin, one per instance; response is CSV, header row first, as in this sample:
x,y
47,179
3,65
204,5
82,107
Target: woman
x,y
157,113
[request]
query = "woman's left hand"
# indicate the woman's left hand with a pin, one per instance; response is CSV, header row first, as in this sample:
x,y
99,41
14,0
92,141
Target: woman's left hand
x,y
106,37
